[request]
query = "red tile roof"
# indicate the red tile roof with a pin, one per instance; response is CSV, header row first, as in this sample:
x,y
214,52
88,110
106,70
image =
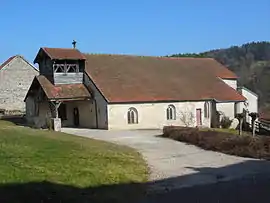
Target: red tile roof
x,y
65,91
212,66
123,78
6,62
63,53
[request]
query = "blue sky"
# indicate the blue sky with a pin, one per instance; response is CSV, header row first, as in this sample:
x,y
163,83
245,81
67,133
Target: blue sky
x,y
140,27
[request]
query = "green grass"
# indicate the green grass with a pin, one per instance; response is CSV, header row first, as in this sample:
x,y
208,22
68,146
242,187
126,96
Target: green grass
x,y
31,157
231,131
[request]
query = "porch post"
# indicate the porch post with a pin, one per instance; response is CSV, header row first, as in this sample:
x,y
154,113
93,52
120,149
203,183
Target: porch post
x,y
56,121
56,106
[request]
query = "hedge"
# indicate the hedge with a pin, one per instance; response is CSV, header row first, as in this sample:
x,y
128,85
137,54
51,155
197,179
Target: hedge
x,y
232,144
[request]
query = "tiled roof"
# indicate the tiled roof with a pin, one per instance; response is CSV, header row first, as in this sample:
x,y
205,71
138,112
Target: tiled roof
x,y
122,78
60,53
212,66
6,62
65,91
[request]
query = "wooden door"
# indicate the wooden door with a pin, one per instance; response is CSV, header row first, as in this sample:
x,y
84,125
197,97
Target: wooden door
x,y
76,117
199,117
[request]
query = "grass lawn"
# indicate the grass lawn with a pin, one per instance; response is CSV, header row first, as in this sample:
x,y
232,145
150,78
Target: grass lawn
x,y
46,166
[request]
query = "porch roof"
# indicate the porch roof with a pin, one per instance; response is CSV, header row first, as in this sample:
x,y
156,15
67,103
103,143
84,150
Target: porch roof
x,y
63,91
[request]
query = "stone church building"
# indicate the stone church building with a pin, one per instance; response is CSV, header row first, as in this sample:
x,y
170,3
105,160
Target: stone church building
x,y
16,76
132,92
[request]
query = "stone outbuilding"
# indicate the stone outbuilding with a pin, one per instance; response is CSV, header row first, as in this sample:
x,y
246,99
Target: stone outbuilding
x,y
16,76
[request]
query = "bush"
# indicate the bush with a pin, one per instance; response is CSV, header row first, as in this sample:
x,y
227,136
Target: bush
x,y
225,122
49,124
244,146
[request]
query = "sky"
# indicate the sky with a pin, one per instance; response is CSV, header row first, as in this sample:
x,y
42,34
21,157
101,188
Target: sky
x,y
137,27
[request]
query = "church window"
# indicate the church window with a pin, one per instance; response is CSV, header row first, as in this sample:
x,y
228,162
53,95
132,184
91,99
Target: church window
x,y
171,112
132,116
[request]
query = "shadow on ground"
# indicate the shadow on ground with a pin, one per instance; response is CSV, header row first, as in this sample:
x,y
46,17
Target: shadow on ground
x,y
15,119
251,188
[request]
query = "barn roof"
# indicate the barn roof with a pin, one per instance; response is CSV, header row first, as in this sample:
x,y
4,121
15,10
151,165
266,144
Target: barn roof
x,y
122,78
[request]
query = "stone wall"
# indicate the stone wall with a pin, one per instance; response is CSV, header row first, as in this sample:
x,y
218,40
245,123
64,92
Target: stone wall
x,y
15,80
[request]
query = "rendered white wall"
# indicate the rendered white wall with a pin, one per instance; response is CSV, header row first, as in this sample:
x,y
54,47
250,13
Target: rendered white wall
x,y
228,108
240,106
87,117
86,109
251,104
252,100
231,83
153,115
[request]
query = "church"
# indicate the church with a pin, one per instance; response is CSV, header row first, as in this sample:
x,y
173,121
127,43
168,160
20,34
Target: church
x,y
104,91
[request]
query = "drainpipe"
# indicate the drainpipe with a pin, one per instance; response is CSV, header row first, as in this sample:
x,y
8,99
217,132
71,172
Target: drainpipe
x,y
96,113
210,113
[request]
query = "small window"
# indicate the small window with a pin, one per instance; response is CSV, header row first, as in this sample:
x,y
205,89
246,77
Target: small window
x,y
171,112
132,116
62,111
206,110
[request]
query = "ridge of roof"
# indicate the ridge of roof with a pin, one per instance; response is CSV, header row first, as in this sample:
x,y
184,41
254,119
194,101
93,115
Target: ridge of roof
x,y
13,57
56,48
61,53
7,61
148,56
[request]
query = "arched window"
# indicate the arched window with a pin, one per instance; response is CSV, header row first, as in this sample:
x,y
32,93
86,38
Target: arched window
x,y
171,112
132,116
206,110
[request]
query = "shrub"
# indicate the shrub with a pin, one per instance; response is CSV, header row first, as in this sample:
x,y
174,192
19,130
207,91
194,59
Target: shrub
x,y
245,146
225,122
49,124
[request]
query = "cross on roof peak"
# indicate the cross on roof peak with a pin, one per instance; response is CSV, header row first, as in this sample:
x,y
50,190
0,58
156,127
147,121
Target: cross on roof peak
x,y
74,44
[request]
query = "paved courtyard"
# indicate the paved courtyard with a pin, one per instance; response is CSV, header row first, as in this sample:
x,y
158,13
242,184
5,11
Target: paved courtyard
x,y
175,164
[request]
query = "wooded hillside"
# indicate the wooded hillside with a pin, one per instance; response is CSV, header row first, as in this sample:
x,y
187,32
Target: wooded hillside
x,y
251,62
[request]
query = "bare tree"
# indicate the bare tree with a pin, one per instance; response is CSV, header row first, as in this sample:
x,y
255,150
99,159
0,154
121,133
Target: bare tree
x,y
240,117
187,117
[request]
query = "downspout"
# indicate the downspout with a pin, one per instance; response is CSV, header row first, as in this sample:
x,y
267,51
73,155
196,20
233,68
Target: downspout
x,y
96,113
213,119
210,113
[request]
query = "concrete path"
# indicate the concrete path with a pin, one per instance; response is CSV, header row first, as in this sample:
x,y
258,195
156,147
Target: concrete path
x,y
175,164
